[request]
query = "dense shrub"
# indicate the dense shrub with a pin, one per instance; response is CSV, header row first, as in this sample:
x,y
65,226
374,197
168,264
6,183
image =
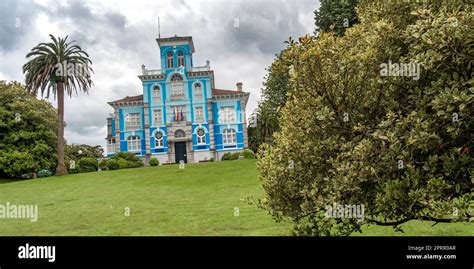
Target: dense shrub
x,y
103,164
75,170
154,162
122,164
248,154
230,156
127,160
128,156
45,173
87,165
112,164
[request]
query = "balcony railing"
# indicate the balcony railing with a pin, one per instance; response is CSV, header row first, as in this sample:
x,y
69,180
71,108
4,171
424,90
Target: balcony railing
x,y
200,68
149,72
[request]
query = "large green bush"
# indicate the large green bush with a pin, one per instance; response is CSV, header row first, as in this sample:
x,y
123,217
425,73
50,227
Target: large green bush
x,y
27,133
103,164
127,160
131,158
112,164
78,151
123,164
88,165
401,146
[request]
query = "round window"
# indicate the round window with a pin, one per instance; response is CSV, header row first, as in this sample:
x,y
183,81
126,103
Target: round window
x,y
158,135
200,132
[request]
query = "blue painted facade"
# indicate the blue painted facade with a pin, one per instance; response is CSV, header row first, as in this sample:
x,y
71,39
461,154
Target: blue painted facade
x,y
179,104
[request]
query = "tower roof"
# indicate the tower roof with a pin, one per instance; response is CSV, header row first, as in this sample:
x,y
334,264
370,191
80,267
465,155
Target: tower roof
x,y
176,40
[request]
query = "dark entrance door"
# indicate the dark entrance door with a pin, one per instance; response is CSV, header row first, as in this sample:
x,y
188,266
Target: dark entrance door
x,y
180,152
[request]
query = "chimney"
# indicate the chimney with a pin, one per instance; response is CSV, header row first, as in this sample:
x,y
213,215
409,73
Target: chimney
x,y
239,86
143,69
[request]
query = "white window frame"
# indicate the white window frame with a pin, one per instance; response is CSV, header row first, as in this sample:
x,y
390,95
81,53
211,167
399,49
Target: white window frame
x,y
156,93
227,115
111,145
229,136
177,87
132,121
201,140
169,60
133,143
180,58
199,114
159,143
157,117
197,90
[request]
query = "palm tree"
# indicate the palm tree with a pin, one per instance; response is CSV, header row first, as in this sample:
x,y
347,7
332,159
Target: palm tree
x,y
55,67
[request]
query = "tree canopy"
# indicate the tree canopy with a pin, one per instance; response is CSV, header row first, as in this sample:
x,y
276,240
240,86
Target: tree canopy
x,y
335,16
400,144
27,136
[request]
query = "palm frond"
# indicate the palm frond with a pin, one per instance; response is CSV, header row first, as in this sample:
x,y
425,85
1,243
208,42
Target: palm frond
x,y
46,60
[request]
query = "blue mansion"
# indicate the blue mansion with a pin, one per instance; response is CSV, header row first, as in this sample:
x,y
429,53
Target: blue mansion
x,y
180,116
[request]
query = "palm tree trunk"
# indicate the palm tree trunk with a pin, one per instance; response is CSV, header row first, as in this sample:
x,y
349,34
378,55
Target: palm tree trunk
x,y
61,168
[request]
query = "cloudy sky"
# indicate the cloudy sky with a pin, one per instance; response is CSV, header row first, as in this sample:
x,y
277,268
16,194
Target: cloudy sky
x,y
120,36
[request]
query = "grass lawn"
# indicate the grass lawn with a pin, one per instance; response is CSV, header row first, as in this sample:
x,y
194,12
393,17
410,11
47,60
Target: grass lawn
x,y
198,200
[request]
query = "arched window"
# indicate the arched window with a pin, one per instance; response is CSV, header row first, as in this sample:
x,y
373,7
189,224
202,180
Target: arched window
x,y
133,143
201,136
169,59
177,86
180,58
156,94
179,134
198,90
158,139
229,137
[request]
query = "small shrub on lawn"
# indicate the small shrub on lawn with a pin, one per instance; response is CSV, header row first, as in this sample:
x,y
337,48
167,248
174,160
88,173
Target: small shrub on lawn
x,y
154,162
248,154
45,173
112,164
230,156
87,165
103,164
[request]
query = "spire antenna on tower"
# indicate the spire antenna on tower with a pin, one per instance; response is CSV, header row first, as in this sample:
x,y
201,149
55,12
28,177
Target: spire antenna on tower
x,y
159,34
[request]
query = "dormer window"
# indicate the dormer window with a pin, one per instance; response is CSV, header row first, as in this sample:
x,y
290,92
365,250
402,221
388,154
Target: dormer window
x,y
180,59
169,59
